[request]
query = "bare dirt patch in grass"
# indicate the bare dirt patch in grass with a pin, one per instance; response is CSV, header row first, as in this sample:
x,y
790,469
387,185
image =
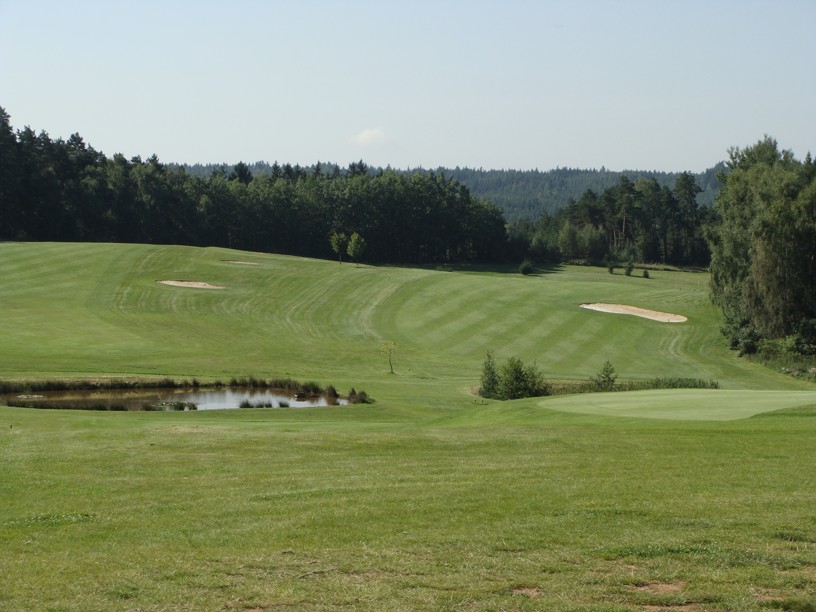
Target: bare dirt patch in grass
x,y
654,315
190,284
661,588
530,592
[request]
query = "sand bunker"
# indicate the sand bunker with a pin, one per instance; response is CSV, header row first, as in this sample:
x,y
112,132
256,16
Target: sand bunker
x,y
190,284
243,263
654,315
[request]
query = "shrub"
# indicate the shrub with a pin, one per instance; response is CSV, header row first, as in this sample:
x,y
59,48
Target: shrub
x,y
605,379
311,388
517,380
645,274
490,378
677,382
358,397
526,267
589,386
610,263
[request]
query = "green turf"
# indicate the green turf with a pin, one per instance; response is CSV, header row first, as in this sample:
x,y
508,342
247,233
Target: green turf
x,y
428,499
683,404
98,310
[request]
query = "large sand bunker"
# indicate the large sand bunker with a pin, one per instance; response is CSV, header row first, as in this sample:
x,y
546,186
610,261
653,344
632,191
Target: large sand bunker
x,y
654,315
190,284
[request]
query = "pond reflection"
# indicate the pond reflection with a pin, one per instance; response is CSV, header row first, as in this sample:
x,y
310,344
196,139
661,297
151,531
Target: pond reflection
x,y
170,399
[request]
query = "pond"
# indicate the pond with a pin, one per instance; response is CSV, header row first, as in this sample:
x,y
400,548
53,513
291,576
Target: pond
x,y
169,399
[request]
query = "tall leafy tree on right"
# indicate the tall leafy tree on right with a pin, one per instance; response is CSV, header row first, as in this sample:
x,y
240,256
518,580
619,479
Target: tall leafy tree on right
x,y
763,249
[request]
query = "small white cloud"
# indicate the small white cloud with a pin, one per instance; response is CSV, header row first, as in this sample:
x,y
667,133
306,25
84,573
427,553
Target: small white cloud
x,y
369,136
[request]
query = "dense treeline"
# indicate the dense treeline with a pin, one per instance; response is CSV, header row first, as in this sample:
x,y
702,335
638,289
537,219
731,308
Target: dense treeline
x,y
527,194
520,194
639,221
67,191
763,267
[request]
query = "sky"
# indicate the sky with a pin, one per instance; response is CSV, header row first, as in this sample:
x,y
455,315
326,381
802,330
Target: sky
x,y
625,84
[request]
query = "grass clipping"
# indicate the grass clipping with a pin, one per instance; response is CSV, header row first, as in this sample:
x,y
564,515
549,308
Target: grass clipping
x,y
654,315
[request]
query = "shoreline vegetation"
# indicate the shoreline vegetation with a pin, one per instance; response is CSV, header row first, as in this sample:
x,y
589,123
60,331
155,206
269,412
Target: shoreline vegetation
x,y
298,390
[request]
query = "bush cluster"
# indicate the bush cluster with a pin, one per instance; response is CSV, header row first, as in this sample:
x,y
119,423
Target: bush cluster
x,y
359,397
514,380
34,386
674,382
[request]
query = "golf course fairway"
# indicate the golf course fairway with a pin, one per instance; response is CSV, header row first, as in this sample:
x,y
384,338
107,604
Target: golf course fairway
x,y
429,498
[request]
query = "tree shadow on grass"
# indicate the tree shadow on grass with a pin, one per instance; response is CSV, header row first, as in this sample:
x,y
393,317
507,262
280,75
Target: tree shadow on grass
x,y
485,268
545,269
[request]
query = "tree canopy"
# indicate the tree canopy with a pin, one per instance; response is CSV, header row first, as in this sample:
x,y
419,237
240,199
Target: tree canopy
x,y
67,191
763,266
630,221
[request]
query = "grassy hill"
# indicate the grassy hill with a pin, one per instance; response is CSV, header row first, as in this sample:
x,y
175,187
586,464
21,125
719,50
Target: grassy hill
x,y
99,310
428,499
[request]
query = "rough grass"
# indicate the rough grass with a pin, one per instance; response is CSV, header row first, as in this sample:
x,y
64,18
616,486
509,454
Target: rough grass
x,y
430,498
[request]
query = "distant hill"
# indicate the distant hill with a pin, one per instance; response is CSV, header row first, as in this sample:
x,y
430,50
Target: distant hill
x,y
526,194
520,194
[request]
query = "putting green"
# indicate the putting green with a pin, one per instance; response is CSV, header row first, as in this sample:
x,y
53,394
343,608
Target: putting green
x,y
682,404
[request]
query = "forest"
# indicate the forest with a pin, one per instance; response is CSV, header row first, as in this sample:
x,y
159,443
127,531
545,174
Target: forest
x,y
527,194
520,194
65,190
637,221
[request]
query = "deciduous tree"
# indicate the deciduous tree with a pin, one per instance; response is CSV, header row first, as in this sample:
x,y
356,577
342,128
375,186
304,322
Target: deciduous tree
x,y
339,243
356,247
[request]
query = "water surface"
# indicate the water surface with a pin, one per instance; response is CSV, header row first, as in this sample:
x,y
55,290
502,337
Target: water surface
x,y
136,399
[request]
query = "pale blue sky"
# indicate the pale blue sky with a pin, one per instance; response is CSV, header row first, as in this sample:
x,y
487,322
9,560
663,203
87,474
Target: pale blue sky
x,y
666,85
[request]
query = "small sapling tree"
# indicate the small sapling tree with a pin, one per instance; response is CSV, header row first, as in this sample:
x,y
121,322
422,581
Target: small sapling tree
x,y
490,378
605,379
388,348
356,247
